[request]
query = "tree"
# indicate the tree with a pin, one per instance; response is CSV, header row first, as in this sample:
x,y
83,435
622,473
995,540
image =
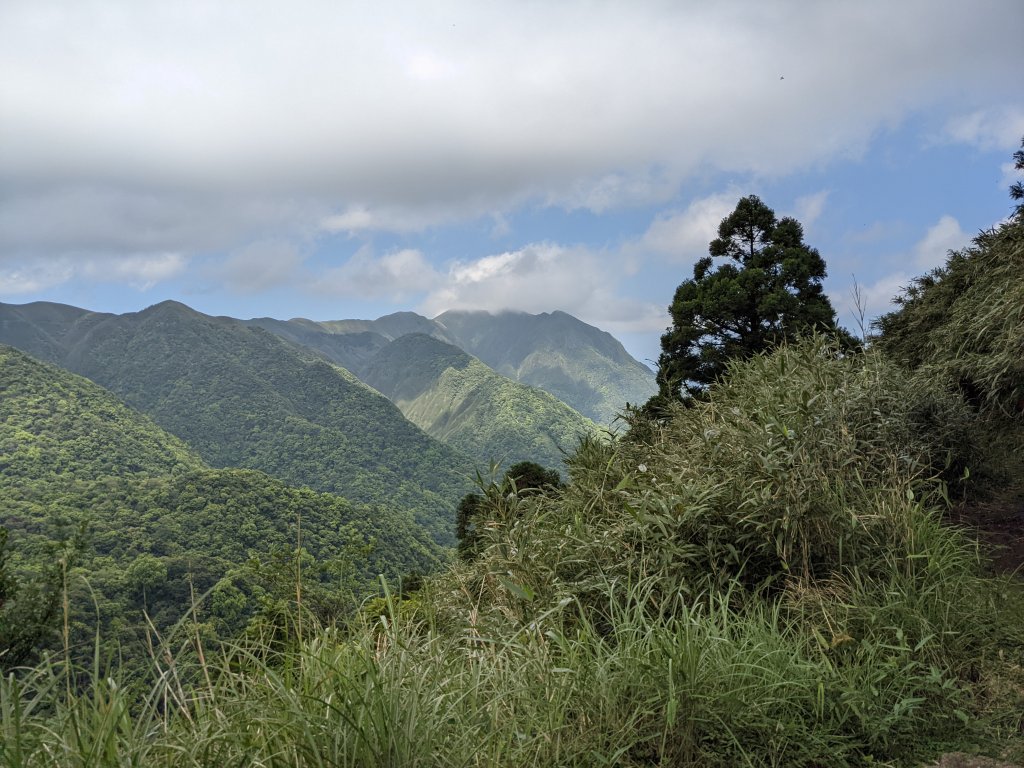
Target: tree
x,y
530,476
29,603
466,533
521,479
1017,188
768,290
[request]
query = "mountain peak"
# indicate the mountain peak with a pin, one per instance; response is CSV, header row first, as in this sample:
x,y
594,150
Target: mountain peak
x,y
168,306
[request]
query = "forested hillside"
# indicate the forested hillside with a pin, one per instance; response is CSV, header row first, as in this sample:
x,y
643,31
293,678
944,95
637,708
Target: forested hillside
x,y
155,527
582,366
242,397
577,363
457,399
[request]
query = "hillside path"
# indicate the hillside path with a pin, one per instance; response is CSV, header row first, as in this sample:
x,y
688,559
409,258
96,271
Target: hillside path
x,y
999,525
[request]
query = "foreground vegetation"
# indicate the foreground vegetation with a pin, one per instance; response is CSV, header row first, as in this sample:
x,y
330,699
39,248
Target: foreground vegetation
x,y
764,579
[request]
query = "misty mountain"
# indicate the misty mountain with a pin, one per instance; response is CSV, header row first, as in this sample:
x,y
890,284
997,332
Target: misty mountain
x,y
576,362
583,366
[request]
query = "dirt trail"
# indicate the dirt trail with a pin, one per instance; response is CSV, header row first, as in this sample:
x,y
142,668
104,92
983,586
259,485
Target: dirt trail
x,y
961,760
999,524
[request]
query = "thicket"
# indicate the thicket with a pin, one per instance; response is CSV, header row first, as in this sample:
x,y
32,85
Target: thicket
x,y
964,321
765,578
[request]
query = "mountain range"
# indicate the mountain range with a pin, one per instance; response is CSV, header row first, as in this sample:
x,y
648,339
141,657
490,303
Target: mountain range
x,y
584,367
161,525
454,397
193,448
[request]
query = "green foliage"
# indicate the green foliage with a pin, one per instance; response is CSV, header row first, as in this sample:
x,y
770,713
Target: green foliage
x,y
466,522
768,291
767,581
577,363
520,480
29,601
462,402
162,529
61,427
964,322
1017,188
241,397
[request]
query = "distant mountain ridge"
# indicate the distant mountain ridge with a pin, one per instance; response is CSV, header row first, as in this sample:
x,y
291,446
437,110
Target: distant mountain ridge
x,y
243,397
456,398
583,366
499,402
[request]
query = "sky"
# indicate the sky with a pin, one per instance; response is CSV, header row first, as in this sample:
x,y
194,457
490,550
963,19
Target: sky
x,y
337,160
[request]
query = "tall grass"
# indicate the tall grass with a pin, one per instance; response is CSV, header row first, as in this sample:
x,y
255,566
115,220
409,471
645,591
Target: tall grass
x,y
766,580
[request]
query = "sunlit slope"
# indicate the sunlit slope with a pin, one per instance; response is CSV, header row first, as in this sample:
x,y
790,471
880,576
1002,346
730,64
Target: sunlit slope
x,y
579,364
456,398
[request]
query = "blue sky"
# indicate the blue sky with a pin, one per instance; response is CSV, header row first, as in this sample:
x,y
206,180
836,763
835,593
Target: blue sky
x,y
333,160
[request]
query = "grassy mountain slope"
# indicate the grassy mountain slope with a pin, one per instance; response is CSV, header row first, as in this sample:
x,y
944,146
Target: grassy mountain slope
x,y
965,320
577,363
243,397
456,398
156,518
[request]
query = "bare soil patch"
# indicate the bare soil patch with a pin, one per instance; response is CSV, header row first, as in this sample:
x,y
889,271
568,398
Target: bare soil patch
x,y
999,526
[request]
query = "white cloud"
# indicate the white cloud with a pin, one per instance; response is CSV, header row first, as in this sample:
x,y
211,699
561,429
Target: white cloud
x,y
808,208
354,219
396,275
259,266
140,272
195,116
107,220
613,190
358,219
944,236
987,129
30,278
684,235
542,277
1011,174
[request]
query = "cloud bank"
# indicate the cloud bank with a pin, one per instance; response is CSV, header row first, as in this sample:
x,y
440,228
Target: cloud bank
x,y
136,139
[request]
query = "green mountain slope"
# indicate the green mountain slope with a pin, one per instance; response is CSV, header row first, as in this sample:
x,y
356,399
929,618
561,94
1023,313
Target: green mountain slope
x,y
243,397
160,525
584,367
390,326
456,398
350,350
577,363
60,428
